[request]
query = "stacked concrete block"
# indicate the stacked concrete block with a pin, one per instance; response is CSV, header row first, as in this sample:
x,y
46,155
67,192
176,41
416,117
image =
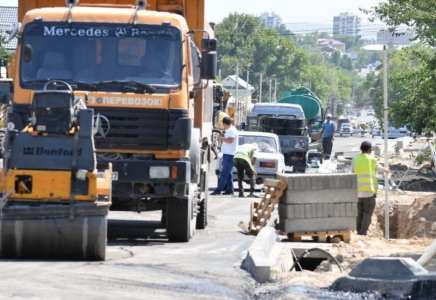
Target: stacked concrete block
x,y
318,202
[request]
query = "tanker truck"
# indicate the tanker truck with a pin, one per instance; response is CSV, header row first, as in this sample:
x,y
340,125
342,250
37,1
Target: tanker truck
x,y
144,72
312,107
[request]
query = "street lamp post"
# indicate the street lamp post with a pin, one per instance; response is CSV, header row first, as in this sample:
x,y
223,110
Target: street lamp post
x,y
385,136
385,125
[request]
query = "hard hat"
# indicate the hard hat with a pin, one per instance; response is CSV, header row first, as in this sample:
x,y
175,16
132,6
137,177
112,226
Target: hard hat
x,y
329,115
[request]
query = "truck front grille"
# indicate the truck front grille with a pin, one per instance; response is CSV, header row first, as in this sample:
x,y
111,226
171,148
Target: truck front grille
x,y
137,128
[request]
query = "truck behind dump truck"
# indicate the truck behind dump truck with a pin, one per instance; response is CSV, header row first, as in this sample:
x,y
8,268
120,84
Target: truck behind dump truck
x,y
146,72
312,107
289,123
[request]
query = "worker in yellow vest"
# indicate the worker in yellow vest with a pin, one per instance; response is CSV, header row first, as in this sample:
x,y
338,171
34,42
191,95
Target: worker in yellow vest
x,y
243,160
366,167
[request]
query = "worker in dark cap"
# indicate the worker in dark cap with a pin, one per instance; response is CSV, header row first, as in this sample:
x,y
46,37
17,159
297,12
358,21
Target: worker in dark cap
x,y
366,167
328,136
228,149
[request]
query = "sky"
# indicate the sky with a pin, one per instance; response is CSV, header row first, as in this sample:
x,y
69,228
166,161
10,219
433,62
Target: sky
x,y
291,11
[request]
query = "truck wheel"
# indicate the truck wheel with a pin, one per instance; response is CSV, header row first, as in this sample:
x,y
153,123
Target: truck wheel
x,y
202,206
179,215
202,214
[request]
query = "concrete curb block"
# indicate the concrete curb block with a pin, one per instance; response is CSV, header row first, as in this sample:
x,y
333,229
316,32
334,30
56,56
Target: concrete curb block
x,y
281,258
257,262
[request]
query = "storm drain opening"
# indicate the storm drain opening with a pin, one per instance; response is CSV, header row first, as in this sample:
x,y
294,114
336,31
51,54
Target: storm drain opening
x,y
309,259
309,264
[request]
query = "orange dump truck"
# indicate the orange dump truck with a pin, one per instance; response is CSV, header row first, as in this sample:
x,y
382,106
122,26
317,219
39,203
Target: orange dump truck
x,y
146,71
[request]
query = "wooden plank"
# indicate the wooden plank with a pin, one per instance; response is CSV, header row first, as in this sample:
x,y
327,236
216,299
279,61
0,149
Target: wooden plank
x,y
274,183
261,211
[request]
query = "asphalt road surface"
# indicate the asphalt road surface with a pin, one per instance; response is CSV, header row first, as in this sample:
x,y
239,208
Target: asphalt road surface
x,y
142,264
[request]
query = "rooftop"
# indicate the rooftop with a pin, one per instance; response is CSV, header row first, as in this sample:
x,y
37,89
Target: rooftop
x,y
241,82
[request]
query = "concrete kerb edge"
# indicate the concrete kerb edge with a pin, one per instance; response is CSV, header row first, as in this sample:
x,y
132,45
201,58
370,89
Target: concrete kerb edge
x,y
257,262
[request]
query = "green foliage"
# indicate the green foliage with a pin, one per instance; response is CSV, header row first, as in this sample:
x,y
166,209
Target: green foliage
x,y
5,53
336,58
308,41
243,40
411,72
417,14
346,63
351,42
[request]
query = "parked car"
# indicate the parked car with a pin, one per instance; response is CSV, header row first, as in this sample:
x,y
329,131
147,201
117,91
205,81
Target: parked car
x,y
377,131
394,133
269,159
370,113
346,128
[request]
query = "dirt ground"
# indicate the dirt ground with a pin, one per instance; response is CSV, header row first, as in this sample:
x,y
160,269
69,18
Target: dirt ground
x,y
412,226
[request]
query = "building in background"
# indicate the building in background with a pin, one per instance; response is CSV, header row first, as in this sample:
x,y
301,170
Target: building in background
x,y
8,18
244,89
270,20
346,24
386,38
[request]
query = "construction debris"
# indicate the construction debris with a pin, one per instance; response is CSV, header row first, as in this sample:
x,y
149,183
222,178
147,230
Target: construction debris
x,y
261,211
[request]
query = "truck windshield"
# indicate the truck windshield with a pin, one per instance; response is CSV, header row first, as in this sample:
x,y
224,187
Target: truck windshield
x,y
100,55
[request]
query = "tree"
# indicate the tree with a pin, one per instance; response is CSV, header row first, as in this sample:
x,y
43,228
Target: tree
x,y
336,58
349,41
5,54
416,14
243,40
411,90
346,63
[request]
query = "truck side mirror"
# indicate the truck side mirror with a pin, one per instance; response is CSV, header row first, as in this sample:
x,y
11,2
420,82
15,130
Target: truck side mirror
x,y
5,94
209,65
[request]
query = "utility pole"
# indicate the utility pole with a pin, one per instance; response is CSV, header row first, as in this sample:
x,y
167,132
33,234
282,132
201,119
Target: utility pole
x,y
275,90
248,79
247,97
385,125
237,108
260,88
270,89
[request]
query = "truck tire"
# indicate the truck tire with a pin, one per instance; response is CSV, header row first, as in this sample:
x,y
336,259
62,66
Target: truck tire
x,y
202,205
179,217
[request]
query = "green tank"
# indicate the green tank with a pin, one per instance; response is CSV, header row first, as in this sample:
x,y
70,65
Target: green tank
x,y
310,103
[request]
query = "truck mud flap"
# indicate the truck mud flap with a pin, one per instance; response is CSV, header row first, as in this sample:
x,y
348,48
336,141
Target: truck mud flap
x,y
45,231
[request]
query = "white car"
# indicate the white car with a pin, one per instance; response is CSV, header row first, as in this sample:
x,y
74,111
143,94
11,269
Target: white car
x,y
370,113
269,160
346,128
394,133
377,131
